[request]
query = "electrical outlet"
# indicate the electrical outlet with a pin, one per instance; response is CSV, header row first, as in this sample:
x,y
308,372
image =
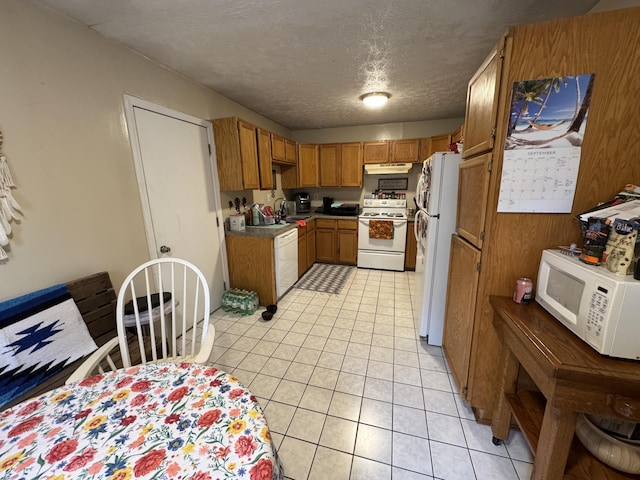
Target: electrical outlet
x,y
315,196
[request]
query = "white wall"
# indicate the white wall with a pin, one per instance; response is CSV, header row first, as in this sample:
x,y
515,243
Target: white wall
x,y
66,142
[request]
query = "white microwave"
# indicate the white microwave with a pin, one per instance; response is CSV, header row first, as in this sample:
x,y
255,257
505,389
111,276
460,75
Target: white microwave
x,y
600,307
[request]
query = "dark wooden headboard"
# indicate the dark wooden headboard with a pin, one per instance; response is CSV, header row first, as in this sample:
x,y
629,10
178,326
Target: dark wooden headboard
x,y
96,300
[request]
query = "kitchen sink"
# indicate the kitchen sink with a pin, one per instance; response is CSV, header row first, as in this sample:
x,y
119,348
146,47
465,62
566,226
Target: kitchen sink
x,y
275,225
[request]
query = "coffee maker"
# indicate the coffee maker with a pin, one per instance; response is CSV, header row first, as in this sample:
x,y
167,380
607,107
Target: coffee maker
x,y
303,202
326,204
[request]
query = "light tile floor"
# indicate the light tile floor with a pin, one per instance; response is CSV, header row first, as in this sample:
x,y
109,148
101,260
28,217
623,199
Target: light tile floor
x,y
350,391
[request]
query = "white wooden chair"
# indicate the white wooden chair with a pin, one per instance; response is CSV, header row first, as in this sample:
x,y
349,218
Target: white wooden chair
x,y
99,361
180,330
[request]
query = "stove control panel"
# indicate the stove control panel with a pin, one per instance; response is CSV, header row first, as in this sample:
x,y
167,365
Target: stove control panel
x,y
385,202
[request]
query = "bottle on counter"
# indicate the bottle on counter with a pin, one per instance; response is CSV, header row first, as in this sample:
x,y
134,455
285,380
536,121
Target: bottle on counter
x,y
255,216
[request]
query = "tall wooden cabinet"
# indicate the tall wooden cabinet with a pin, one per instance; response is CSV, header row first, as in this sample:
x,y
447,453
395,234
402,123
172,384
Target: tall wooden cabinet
x,y
506,246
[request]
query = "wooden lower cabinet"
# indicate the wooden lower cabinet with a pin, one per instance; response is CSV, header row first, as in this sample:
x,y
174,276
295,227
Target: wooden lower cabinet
x,y
302,251
411,249
311,243
252,266
337,241
347,234
325,240
460,308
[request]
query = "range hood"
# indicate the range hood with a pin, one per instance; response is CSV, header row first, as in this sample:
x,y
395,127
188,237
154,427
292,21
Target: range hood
x,y
388,168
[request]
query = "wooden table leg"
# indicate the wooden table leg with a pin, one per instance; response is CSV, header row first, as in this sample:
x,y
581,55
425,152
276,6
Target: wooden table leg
x,y
556,434
502,415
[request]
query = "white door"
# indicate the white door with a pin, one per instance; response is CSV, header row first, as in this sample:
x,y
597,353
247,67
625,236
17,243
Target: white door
x,y
176,177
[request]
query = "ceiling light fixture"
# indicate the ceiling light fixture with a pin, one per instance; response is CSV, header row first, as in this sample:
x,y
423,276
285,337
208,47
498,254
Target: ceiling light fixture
x,y
375,99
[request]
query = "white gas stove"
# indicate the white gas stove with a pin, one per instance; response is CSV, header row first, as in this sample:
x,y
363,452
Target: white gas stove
x,y
381,244
384,208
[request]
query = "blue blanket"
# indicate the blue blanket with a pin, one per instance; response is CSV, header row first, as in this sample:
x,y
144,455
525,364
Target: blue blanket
x,y
40,333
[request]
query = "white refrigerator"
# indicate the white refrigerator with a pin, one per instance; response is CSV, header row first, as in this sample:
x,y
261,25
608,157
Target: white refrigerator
x,y
436,201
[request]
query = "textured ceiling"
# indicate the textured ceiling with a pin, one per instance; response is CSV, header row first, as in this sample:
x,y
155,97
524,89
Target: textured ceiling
x,y
304,63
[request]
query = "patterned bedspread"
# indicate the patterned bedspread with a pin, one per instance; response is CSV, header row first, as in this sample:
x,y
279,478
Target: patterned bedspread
x,y
160,421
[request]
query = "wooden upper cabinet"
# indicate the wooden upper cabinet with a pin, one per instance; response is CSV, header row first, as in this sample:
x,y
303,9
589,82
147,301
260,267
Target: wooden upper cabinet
x,y
308,168
249,155
236,154
351,163
405,151
376,152
431,145
482,104
473,192
278,148
290,152
264,159
458,135
330,165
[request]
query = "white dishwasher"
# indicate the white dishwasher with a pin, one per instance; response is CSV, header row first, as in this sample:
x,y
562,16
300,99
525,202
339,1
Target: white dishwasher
x,y
286,250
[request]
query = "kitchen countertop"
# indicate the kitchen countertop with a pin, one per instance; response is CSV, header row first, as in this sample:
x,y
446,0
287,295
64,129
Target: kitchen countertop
x,y
272,231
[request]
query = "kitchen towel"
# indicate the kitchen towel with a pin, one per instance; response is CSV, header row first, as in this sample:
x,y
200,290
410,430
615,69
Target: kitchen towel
x,y
382,229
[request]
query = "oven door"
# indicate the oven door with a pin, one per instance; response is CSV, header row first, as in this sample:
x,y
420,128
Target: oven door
x,y
395,244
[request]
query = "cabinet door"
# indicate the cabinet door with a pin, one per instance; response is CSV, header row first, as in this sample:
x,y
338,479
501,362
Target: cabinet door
x,y
351,163
277,148
330,165
405,151
326,241
302,251
311,243
249,155
482,104
264,159
252,266
376,152
308,165
458,134
473,192
460,308
411,249
431,145
347,248
225,131
290,152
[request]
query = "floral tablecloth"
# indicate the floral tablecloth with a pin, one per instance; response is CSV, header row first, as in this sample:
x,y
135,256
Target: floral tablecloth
x,y
154,421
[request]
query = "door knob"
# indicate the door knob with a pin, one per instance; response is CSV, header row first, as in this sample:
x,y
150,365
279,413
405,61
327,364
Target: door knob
x,y
165,249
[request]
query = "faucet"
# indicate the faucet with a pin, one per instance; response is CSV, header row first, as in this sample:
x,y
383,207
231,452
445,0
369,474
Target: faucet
x,y
275,208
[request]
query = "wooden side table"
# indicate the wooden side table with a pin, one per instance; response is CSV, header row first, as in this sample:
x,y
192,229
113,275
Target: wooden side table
x,y
572,378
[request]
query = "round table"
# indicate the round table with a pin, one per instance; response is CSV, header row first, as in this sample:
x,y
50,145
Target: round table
x,y
153,421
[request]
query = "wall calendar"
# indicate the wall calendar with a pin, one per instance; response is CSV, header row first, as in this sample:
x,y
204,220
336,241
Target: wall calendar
x,y
543,143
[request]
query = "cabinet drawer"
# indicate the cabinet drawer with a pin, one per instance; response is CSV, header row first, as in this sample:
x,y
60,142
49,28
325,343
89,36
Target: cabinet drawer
x,y
311,226
325,223
347,225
